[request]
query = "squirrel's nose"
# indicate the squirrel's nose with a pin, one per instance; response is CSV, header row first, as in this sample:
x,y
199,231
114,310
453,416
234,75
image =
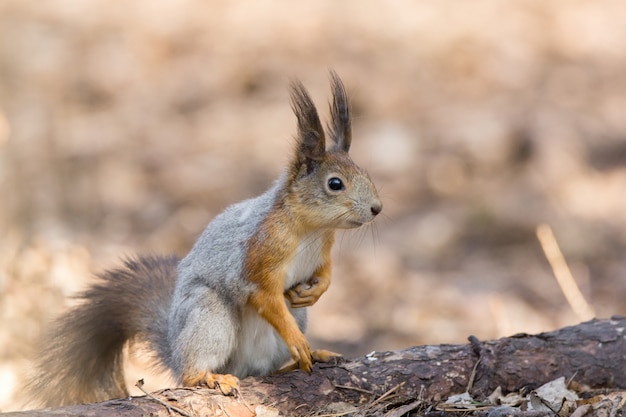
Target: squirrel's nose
x,y
376,208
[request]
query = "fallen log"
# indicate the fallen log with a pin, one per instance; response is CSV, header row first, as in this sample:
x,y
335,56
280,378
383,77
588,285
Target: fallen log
x,y
591,354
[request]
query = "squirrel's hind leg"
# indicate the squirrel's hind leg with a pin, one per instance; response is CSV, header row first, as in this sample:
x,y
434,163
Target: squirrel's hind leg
x,y
325,356
206,337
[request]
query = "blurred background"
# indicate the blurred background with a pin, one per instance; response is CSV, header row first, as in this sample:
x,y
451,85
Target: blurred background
x,y
125,127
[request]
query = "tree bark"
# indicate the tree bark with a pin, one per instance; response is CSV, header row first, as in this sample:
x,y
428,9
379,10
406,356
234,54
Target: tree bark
x,y
591,353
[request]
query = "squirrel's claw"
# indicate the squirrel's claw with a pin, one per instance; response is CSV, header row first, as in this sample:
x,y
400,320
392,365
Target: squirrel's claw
x,y
304,360
226,383
318,356
301,352
306,366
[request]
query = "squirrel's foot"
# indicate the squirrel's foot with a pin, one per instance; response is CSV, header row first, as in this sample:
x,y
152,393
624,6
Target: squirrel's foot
x,y
324,356
307,293
318,356
226,383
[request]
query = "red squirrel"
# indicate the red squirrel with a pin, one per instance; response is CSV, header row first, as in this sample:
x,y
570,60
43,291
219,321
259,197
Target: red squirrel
x,y
235,306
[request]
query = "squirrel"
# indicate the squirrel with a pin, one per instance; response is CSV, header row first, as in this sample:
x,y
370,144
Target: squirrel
x,y
235,306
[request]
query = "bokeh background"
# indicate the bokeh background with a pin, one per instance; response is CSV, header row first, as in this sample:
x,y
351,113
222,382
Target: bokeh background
x,y
125,127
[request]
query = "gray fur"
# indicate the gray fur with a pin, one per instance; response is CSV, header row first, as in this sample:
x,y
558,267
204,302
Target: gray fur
x,y
211,285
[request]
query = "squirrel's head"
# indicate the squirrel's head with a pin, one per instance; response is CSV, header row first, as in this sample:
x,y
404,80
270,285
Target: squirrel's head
x,y
329,189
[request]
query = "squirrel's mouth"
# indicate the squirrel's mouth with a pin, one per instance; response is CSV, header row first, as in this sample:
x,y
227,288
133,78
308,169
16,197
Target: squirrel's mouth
x,y
353,224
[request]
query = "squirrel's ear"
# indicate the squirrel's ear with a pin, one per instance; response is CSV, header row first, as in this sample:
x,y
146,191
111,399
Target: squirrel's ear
x,y
339,126
311,145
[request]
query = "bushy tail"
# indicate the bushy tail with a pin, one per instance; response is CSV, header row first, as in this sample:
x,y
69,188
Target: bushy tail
x,y
81,358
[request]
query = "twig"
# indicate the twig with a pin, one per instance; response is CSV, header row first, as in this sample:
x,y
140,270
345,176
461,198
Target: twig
x,y
169,407
223,410
400,411
343,413
387,394
354,389
569,381
563,274
243,401
470,384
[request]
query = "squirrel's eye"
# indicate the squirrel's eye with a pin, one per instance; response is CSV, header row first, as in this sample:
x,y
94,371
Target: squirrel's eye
x,y
335,184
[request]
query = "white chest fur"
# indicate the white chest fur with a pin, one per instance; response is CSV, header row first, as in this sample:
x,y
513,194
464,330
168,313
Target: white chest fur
x,y
260,349
307,259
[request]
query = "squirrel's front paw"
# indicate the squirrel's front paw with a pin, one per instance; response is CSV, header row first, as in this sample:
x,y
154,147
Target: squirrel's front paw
x,y
300,351
318,356
226,383
307,293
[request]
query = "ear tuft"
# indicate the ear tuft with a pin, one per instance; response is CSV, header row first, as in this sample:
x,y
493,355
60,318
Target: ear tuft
x,y
311,145
340,125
